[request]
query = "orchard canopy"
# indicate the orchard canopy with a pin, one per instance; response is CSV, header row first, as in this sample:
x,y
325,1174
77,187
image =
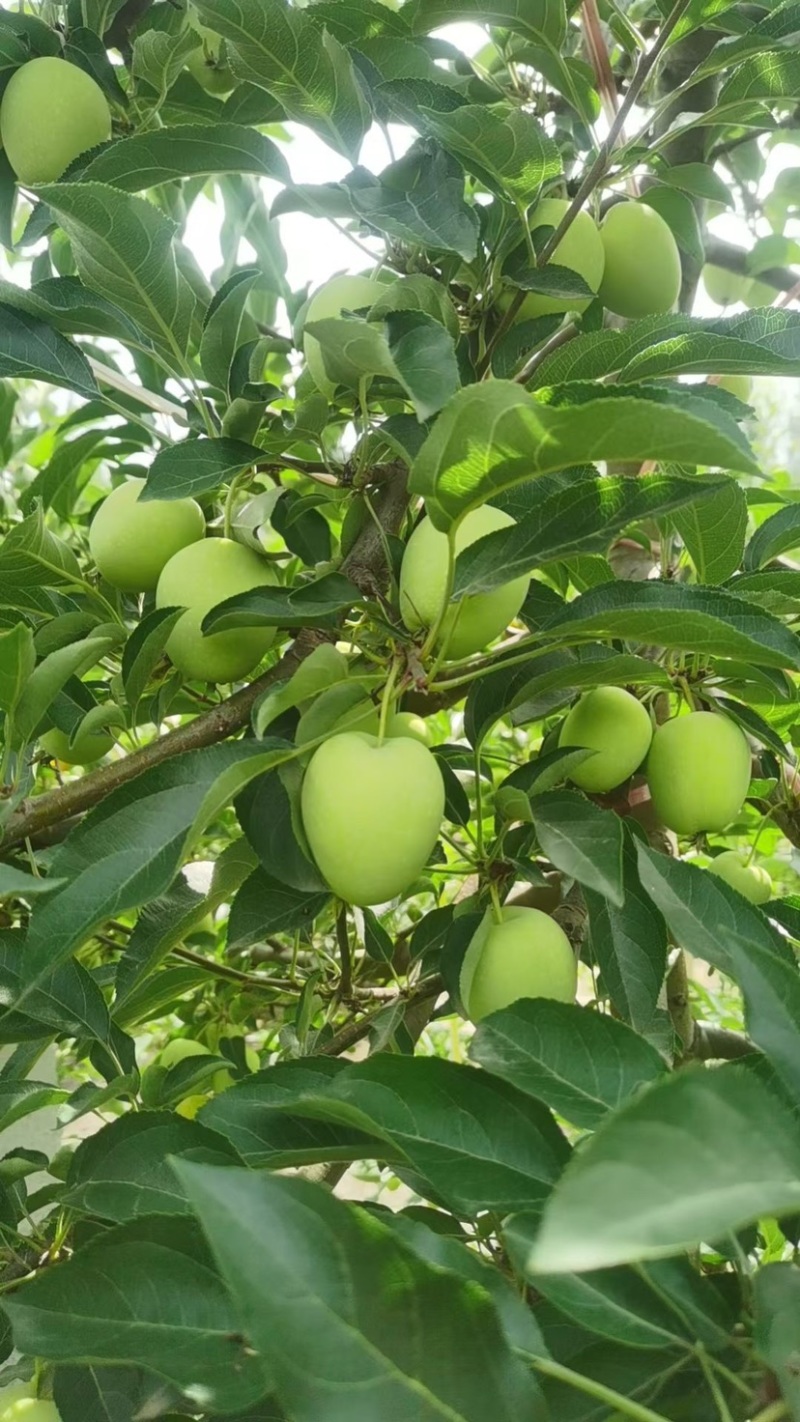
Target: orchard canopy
x,y
399,695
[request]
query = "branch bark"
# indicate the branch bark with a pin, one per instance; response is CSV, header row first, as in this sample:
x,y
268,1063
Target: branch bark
x,y
365,565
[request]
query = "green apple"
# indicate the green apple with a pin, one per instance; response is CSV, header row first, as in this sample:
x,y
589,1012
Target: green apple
x,y
407,723
611,722
724,288
52,111
31,1409
526,955
642,275
207,63
698,771
87,748
131,541
179,1049
188,1108
739,385
197,578
580,249
14,1392
340,294
473,622
759,293
749,880
223,1079
371,813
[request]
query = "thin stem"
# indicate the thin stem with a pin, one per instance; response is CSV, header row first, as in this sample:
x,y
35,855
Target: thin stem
x,y
497,907
599,167
713,1385
387,701
774,1413
626,1405
343,940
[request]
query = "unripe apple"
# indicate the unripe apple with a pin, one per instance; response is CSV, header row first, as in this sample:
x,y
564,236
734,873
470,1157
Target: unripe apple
x,y
197,578
749,880
179,1049
13,1393
739,385
724,287
758,293
698,771
526,955
131,542
341,293
407,723
207,63
473,622
642,275
580,249
52,111
188,1108
371,814
223,1079
611,722
85,750
31,1409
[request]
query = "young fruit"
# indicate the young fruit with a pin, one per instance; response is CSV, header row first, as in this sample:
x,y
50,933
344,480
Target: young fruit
x,y
749,880
188,1108
197,578
642,275
340,294
371,814
406,723
758,293
473,622
611,722
527,955
698,771
580,249
31,1409
724,288
52,111
14,1392
87,748
739,385
179,1049
207,62
131,541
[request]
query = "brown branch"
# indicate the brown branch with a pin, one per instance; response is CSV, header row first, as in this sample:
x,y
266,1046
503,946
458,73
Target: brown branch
x,y
343,941
734,259
354,1032
718,1044
365,565
679,1005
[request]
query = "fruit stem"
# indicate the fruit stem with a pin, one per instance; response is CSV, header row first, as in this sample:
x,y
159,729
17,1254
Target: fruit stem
x,y
387,701
497,907
687,695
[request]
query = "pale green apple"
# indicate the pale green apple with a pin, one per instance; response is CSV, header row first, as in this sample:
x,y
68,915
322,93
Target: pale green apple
x,y
208,62
611,722
179,1049
739,385
340,294
371,813
759,293
526,955
52,111
724,288
749,880
87,748
698,771
15,1390
198,578
131,541
642,275
473,622
31,1409
407,723
580,249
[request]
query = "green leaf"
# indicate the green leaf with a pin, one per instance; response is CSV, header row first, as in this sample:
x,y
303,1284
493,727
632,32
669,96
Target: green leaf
x,y
144,1293
503,145
316,604
19,1099
579,1063
158,58
128,850
776,1334
713,531
32,558
534,18
144,650
146,160
771,990
582,840
703,913
424,356
345,1325
67,305
51,675
265,905
494,435
668,614
700,1154
123,249
92,1394
630,947
700,180
776,535
31,349
678,211
197,466
228,325
14,883
579,518
307,69
125,1170
17,661
256,1116
66,999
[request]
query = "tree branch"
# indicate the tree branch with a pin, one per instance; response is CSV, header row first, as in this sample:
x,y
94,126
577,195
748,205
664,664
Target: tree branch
x,y
734,259
718,1044
365,565
354,1032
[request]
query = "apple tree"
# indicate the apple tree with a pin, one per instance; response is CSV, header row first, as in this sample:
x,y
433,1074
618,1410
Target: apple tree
x,y
399,693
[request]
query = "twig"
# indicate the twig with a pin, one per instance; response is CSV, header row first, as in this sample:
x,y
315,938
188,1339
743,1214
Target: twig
x,y
119,382
561,338
354,1032
343,940
719,1044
